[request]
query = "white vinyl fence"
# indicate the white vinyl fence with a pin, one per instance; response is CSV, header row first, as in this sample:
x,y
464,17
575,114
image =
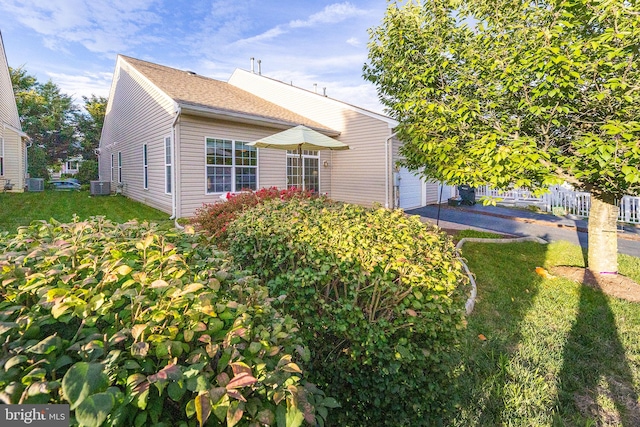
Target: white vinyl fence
x,y
564,202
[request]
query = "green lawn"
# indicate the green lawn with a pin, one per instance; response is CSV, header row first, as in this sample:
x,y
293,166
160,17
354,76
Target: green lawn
x,y
556,353
18,209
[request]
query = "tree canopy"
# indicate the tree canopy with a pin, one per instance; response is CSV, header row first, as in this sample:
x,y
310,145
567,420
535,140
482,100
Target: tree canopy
x,y
53,121
515,93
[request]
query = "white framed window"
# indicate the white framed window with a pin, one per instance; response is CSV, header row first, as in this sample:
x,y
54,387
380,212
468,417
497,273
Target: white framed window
x,y
145,167
310,170
230,166
1,156
120,167
113,168
168,165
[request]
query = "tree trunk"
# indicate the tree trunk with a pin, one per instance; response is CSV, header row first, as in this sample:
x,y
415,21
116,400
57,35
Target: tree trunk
x,y
603,236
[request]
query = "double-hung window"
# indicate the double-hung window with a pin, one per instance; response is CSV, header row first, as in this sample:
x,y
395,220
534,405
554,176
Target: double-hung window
x,y
1,156
231,166
120,167
310,172
168,163
145,167
113,168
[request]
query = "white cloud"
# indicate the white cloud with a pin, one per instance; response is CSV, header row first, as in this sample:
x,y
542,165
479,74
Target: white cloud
x,y
267,35
81,85
101,27
331,14
353,41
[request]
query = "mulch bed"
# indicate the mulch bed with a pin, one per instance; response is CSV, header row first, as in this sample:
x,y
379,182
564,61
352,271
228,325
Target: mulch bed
x,y
615,285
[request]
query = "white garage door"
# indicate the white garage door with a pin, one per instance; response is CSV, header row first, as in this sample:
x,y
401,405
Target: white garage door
x,y
411,190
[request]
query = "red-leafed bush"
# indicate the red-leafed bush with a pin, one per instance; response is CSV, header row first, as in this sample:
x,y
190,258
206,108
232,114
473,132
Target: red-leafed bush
x,y
214,218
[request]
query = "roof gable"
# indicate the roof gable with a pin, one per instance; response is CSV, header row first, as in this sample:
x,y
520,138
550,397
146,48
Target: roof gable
x,y
8,108
192,91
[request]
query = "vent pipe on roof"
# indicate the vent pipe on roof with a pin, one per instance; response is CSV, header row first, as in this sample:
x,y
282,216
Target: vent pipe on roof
x,y
324,91
259,67
315,87
253,70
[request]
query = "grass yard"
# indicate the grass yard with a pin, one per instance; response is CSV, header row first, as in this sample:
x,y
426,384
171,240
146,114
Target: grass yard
x,y
547,352
17,209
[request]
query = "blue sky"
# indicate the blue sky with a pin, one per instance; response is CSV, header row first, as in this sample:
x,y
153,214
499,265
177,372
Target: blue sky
x,y
307,42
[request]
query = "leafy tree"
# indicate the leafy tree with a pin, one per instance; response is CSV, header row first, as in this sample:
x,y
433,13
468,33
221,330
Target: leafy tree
x,y
90,125
87,171
523,93
37,166
47,115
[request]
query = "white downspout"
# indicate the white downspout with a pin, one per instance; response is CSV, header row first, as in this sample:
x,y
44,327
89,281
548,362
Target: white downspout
x,y
174,185
386,169
26,160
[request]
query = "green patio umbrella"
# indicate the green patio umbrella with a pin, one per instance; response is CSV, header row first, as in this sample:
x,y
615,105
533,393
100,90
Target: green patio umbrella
x,y
300,138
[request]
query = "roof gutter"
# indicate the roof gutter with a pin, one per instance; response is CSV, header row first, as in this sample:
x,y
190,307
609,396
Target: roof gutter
x,y
16,130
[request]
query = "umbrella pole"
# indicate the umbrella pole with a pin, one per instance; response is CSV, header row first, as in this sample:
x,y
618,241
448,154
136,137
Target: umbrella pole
x,y
300,182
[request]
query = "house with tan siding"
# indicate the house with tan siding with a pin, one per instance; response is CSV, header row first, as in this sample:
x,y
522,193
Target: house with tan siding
x,y
174,140
13,151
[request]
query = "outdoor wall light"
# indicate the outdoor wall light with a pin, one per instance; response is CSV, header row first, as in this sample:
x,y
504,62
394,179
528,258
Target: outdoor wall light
x,y
325,163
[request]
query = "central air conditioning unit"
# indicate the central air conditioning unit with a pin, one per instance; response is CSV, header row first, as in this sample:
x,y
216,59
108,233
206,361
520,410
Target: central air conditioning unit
x,y
35,184
100,188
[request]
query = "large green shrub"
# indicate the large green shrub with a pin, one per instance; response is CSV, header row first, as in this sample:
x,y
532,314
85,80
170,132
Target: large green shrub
x,y
37,162
380,298
132,326
87,171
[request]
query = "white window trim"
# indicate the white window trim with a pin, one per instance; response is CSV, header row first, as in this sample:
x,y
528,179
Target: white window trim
x,y
113,166
168,180
145,166
1,156
119,167
233,166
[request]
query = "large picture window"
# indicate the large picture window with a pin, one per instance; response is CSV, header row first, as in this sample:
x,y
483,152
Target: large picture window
x,y
310,171
231,166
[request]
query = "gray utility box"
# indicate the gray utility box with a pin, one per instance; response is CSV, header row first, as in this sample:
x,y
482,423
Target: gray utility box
x,y
35,184
100,188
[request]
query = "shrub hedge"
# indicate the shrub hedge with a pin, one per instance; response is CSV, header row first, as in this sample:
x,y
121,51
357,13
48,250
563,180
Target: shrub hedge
x,y
132,325
214,218
379,296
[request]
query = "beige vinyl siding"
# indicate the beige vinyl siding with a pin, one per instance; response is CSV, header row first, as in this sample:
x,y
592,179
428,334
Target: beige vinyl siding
x,y
14,165
8,109
13,159
357,175
137,114
193,132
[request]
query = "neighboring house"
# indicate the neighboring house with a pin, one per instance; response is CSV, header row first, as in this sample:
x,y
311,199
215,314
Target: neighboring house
x,y
174,140
66,167
13,150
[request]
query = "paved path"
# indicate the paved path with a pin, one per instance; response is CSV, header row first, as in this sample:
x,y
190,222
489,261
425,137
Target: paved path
x,y
521,222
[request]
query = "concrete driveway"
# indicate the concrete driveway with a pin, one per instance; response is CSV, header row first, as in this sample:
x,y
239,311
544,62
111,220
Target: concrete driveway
x,y
520,222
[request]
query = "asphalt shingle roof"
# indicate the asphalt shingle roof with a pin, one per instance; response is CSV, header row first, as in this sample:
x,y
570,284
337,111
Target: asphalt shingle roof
x,y
190,89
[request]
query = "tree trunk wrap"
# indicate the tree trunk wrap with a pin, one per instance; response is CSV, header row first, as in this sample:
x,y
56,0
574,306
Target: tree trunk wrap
x,y
603,237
